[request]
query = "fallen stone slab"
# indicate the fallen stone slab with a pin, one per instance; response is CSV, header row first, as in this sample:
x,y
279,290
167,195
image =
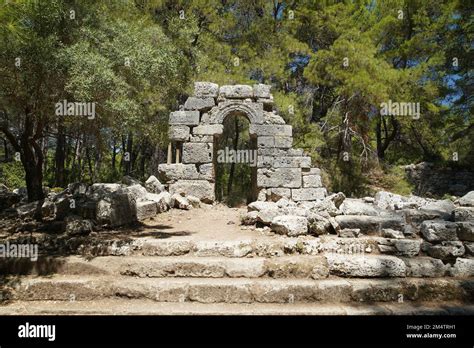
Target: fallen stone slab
x,y
370,224
202,189
352,206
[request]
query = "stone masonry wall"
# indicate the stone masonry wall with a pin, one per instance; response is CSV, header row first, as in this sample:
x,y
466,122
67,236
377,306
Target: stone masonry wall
x,y
432,181
281,170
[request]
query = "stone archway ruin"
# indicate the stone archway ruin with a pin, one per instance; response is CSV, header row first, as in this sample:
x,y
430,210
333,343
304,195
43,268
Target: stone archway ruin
x,y
282,172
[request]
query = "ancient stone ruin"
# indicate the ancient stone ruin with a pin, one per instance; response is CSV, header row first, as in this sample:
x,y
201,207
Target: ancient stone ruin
x,y
281,172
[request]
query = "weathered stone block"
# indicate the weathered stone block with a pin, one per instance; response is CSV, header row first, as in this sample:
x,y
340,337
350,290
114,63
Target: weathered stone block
x,y
439,230
194,103
178,133
407,247
261,91
265,161
153,185
201,138
206,89
463,268
366,266
206,172
266,142
202,189
311,171
272,118
424,267
277,193
308,194
466,231
271,130
197,152
190,118
290,225
292,162
178,171
464,214
312,181
370,224
447,250
116,209
353,206
467,200
279,177
283,142
236,91
146,210
209,129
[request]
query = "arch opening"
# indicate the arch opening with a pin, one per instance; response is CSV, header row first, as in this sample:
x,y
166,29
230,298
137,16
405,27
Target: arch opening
x,y
235,161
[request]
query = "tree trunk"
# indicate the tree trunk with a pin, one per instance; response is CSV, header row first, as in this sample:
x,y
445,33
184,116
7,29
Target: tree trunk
x,y
60,157
32,158
114,155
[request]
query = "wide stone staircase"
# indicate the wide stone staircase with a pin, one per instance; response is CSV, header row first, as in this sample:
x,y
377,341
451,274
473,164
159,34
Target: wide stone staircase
x,y
246,276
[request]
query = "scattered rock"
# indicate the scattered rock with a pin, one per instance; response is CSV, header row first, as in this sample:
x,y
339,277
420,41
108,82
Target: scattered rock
x,y
467,200
318,224
352,206
128,180
153,185
180,202
337,198
162,200
194,201
290,225
76,226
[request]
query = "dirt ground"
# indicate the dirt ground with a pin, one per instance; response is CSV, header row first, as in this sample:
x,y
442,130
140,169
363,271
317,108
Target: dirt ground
x,y
208,222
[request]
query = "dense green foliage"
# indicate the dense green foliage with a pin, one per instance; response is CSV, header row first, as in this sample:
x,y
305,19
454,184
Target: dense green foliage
x,y
331,65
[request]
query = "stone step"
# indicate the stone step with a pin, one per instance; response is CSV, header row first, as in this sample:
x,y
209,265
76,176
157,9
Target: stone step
x,y
262,247
295,266
149,307
181,266
239,290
